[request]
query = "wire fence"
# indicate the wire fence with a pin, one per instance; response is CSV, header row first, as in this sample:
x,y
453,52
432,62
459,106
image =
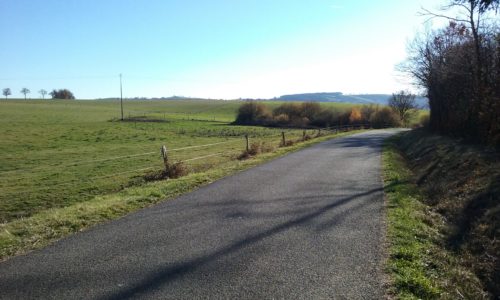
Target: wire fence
x,y
234,146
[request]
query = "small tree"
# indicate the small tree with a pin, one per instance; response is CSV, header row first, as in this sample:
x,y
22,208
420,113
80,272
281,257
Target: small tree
x,y
403,103
62,94
25,91
43,93
6,92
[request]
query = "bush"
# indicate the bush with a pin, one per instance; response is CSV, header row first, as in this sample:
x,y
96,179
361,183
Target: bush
x,y
62,94
253,113
293,111
311,110
367,111
355,117
385,117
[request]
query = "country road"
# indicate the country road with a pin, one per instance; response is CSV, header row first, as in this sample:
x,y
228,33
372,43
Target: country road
x,y
307,225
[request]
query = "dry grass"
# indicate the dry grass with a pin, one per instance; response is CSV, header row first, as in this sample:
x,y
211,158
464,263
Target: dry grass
x,y
287,143
256,148
171,171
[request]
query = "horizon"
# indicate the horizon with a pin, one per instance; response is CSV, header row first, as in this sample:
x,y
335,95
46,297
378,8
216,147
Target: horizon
x,y
213,50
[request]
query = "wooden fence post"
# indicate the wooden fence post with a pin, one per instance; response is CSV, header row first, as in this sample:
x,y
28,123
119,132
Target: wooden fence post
x,y
283,141
163,151
246,138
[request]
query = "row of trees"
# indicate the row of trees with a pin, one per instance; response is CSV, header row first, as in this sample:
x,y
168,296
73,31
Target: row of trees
x,y
311,114
459,68
56,94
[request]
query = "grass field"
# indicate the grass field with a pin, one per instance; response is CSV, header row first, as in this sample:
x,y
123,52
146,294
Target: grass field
x,y
61,154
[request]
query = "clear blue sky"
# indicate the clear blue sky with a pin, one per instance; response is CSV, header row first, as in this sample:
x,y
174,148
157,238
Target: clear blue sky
x,y
216,49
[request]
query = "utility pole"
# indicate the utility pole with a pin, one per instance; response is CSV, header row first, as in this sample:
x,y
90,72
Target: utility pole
x,y
121,96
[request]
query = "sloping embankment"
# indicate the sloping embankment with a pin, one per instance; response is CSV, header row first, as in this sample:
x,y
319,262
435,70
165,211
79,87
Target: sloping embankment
x,y
462,183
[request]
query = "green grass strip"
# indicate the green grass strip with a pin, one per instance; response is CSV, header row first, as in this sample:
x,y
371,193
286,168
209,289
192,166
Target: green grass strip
x,y
410,239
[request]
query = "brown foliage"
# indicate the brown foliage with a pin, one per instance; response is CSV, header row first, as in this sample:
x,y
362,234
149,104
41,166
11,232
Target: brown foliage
x,y
384,117
355,116
253,113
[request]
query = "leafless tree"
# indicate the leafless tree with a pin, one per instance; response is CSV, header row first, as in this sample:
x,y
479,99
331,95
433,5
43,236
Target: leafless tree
x,y
43,93
25,91
458,66
6,92
404,104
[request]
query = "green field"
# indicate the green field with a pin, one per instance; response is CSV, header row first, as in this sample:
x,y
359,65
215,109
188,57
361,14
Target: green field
x,y
57,155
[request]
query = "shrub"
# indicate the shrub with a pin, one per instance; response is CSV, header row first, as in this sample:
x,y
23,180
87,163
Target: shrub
x,y
385,117
62,94
355,116
311,110
325,118
292,110
281,119
253,113
367,111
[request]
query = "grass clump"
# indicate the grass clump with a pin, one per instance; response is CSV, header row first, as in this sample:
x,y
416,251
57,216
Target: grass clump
x,y
257,148
171,171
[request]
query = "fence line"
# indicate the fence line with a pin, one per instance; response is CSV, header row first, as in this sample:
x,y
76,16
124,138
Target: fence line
x,y
110,158
333,129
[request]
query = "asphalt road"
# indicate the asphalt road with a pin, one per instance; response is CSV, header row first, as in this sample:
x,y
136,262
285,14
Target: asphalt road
x,y
307,225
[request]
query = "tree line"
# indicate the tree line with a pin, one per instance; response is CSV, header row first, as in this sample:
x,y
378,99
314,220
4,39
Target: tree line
x,y
56,94
458,67
402,108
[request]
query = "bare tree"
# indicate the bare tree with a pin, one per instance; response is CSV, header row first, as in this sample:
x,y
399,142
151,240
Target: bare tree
x,y
25,91
6,92
403,103
458,67
43,93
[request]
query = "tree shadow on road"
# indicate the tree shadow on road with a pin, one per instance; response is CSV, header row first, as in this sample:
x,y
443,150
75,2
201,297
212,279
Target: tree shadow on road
x,y
162,276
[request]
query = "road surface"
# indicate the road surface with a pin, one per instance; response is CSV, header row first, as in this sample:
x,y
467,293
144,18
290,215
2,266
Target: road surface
x,y
307,225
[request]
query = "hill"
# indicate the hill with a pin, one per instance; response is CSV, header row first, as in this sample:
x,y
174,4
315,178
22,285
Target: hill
x,y
342,98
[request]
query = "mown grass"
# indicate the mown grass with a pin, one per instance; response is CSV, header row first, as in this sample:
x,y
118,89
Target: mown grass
x,y
57,177
420,265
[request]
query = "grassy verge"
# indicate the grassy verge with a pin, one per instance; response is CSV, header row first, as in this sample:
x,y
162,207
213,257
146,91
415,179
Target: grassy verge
x,y
420,265
410,238
22,235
